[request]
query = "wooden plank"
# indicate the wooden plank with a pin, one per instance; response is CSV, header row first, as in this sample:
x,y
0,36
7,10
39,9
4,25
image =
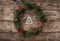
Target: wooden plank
x,y
42,37
51,32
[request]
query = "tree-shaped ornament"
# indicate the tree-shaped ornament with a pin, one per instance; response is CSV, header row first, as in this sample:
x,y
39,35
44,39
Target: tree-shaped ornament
x,y
29,20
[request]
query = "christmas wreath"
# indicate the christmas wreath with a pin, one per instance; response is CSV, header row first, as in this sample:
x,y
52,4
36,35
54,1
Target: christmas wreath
x,y
41,17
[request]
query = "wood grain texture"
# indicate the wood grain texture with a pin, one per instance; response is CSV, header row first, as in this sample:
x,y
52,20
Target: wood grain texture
x,y
51,32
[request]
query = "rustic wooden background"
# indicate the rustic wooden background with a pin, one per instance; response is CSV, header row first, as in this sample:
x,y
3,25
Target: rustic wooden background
x,y
51,32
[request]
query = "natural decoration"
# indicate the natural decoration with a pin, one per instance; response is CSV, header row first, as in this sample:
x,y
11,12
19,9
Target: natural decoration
x,y
19,13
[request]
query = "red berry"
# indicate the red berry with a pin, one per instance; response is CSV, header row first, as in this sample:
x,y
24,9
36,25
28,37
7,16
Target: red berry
x,y
21,31
41,24
20,8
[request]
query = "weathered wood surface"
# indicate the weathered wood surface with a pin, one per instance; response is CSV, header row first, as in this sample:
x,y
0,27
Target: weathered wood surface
x,y
51,32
